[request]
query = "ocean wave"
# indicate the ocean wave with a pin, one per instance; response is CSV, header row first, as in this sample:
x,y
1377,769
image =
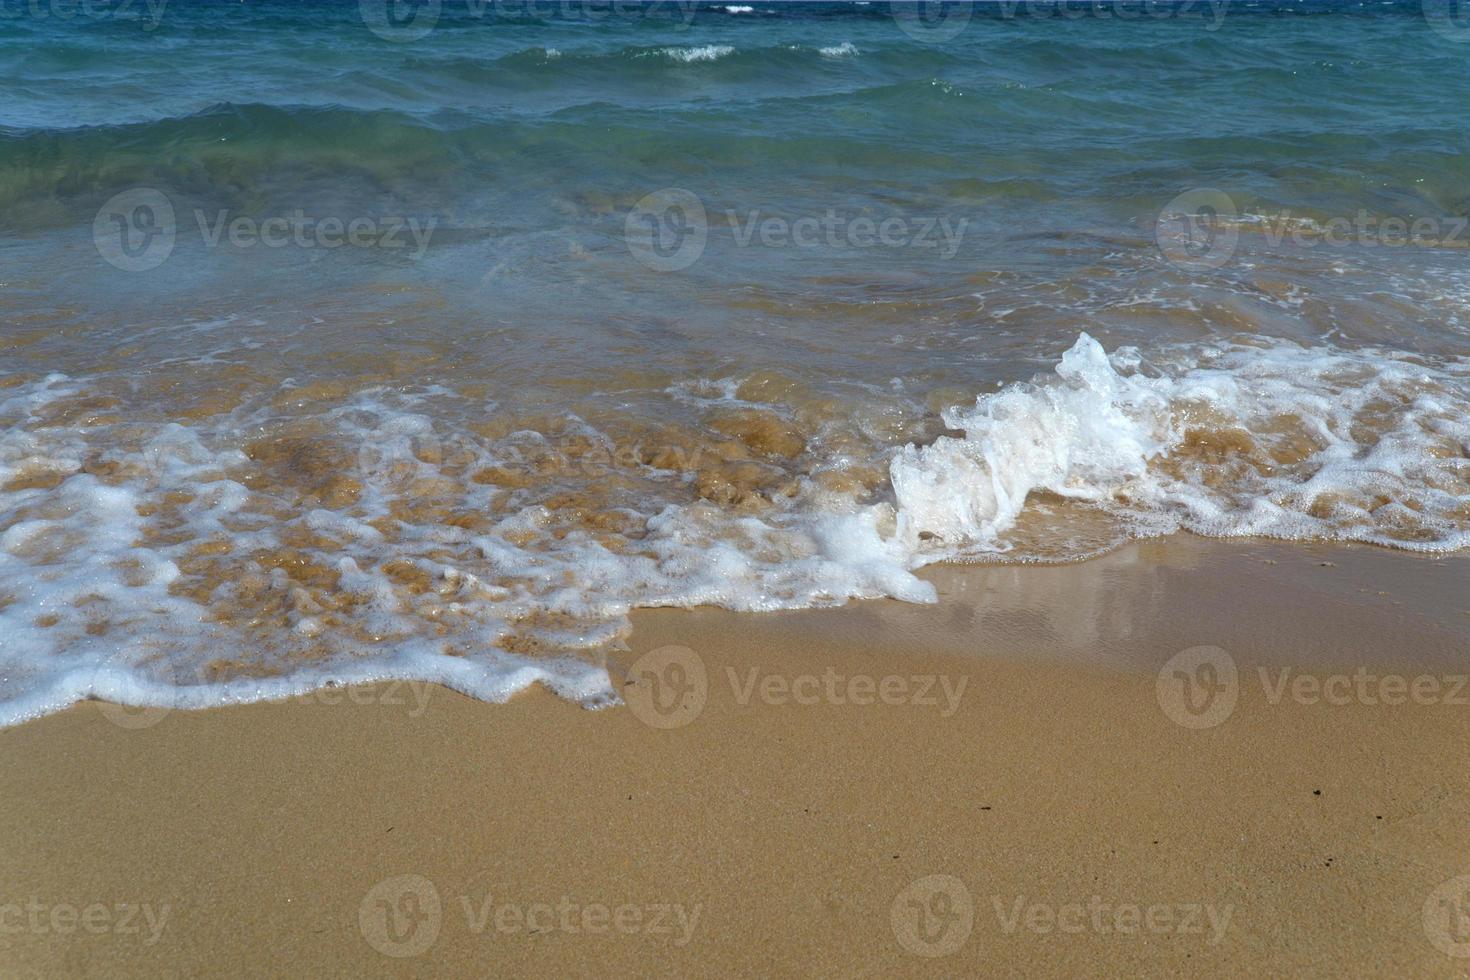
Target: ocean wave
x,y
1283,441
704,52
258,154
376,537
228,154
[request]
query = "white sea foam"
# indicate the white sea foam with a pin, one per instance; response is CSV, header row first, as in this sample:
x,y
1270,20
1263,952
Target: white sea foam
x,y
706,52
1282,441
98,599
844,50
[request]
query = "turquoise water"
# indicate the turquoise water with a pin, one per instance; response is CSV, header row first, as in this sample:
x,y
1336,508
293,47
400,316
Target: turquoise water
x,y
527,139
348,346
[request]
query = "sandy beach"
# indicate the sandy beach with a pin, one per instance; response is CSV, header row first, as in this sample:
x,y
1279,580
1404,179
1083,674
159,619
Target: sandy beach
x,y
1026,779
674,488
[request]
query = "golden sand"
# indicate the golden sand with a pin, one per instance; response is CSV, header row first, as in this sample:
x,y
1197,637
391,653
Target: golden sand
x,y
1005,784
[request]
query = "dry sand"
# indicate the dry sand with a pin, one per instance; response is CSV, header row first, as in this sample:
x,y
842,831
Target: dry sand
x,y
1017,797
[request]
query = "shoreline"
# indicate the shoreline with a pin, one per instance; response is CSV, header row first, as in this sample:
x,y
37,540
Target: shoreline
x,y
1009,780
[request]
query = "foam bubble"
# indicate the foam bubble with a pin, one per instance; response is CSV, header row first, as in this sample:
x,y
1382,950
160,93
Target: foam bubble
x,y
1279,441
401,535
705,52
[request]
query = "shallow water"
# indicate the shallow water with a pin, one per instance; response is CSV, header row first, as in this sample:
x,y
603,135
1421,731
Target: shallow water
x,y
340,348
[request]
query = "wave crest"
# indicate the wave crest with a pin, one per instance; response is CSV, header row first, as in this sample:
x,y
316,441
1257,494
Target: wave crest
x,y
1283,442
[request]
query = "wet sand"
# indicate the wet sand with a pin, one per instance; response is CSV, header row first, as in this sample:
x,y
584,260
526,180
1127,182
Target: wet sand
x,y
1006,783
